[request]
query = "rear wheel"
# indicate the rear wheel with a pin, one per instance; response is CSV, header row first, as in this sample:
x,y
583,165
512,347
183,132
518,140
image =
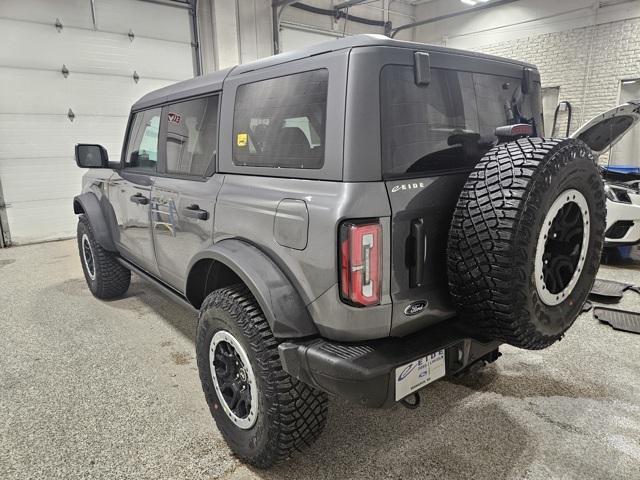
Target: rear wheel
x,y
263,413
105,277
525,240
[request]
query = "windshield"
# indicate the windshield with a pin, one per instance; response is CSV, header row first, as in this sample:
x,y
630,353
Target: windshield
x,y
449,124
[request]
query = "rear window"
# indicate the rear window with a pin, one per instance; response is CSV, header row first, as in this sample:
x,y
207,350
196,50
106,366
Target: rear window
x,y
501,102
281,122
447,125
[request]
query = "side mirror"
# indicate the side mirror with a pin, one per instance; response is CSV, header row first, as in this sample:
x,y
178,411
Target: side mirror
x,y
91,156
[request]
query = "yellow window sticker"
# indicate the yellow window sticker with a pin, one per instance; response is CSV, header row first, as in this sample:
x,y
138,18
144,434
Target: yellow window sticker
x,y
242,139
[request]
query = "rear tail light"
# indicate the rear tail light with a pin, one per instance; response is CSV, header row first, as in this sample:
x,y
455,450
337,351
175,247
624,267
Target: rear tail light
x,y
360,263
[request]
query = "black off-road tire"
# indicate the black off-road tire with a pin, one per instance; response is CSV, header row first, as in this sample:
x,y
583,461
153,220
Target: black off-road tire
x,y
290,414
105,277
494,239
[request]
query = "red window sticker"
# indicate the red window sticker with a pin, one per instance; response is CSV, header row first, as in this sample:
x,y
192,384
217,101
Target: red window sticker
x,y
174,117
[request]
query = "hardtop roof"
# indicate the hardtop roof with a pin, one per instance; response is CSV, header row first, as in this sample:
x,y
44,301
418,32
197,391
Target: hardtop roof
x,y
213,82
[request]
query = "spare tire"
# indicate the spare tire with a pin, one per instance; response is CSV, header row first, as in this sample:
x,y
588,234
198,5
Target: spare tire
x,y
525,240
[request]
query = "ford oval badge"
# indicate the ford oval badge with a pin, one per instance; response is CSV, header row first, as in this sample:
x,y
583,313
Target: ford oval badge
x,y
415,308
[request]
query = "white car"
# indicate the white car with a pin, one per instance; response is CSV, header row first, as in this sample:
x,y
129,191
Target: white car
x,y
622,184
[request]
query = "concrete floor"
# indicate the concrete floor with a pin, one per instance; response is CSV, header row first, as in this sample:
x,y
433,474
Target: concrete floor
x,y
92,389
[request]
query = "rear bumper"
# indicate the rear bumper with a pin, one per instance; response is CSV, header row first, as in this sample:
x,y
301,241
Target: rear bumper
x,y
364,372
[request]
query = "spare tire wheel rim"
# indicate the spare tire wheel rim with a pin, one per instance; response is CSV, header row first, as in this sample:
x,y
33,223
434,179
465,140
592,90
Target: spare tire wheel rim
x,y
233,379
87,255
562,247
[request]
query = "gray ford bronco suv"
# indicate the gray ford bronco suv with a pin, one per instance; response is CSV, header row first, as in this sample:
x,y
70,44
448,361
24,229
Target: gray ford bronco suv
x,y
359,219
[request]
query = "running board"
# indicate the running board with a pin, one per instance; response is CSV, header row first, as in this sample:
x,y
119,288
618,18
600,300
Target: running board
x,y
163,287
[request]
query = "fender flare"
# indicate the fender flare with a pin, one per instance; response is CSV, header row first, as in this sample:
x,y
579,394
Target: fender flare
x,y
89,205
280,302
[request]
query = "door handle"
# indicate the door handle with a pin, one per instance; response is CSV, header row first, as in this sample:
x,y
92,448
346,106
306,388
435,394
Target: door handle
x,y
139,199
194,211
416,271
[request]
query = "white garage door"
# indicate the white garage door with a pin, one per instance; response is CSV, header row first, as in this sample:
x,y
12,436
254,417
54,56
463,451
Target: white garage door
x,y
293,39
38,174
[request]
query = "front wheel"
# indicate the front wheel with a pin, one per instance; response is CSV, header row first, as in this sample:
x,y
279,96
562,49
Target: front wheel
x,y
263,413
106,278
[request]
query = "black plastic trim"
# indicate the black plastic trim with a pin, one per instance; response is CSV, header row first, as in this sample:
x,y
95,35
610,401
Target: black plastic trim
x,y
364,372
619,229
422,68
280,302
89,205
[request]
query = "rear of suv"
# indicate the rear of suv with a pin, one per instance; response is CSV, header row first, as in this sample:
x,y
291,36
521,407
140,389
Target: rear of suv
x,y
357,219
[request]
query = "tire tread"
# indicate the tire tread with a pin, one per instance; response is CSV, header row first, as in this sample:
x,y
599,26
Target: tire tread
x,y
298,412
112,279
491,225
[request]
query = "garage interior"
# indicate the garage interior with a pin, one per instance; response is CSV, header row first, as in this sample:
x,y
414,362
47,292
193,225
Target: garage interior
x,y
110,389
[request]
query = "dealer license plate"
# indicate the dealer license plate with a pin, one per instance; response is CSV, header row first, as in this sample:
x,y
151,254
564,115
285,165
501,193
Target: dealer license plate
x,y
415,375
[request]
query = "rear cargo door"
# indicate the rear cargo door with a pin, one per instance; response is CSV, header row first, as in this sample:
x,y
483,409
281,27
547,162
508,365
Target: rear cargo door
x,y
421,213
431,138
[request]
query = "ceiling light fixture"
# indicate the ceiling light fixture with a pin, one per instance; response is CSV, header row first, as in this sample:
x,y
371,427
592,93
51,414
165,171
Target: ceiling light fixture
x,y
473,2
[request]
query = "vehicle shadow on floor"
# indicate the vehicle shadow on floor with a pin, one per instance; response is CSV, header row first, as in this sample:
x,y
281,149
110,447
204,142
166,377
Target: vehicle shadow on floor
x,y
449,436
469,427
441,439
144,298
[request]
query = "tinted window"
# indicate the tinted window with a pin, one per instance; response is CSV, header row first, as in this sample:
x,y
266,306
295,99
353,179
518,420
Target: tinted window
x,y
500,102
280,122
446,125
142,150
192,136
427,127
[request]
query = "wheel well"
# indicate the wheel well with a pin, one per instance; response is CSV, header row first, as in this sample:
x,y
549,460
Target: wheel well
x,y
77,207
206,276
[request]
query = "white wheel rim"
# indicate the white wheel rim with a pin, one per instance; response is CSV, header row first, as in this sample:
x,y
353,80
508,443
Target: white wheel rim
x,y
87,255
247,421
554,296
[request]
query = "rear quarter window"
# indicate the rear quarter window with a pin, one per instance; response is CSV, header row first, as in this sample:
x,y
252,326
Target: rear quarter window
x,y
281,122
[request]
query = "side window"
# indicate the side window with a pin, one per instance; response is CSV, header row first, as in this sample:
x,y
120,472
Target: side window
x,y
142,149
192,133
281,122
427,128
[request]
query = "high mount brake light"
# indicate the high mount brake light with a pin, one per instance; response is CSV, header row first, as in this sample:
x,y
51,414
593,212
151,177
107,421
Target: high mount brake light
x,y
360,263
514,131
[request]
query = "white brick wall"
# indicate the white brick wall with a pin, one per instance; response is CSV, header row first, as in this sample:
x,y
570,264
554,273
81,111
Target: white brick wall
x,y
586,63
